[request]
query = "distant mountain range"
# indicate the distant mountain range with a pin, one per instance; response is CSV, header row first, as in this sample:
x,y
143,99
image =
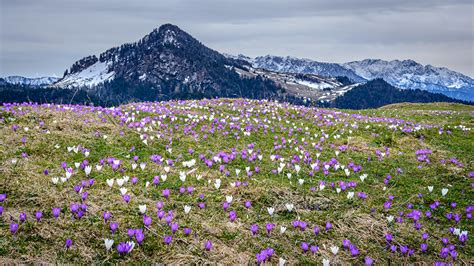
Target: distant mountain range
x,y
168,63
19,80
290,64
406,74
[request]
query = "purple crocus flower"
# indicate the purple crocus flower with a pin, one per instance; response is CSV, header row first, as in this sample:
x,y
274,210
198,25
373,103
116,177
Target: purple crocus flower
x,y
38,215
68,243
22,217
190,189
368,261
74,207
453,254
131,232
3,197
232,216
354,250
248,204
84,196
147,220
174,227
444,253
254,228
423,247
1,209
159,205
139,236
445,240
113,227
168,239
106,216
166,193
126,198
314,249
123,248
186,231
13,228
346,243
168,219
393,248
316,230
304,246
328,226
56,212
425,236
208,245
225,205
269,227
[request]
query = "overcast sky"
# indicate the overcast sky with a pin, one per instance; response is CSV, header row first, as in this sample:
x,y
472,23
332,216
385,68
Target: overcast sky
x,y
44,37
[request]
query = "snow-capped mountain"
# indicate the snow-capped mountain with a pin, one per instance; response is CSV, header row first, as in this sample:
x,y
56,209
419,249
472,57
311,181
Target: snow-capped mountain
x,y
170,63
167,54
408,74
299,65
35,82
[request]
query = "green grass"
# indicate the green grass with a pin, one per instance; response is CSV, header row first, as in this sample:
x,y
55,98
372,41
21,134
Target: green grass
x,y
363,222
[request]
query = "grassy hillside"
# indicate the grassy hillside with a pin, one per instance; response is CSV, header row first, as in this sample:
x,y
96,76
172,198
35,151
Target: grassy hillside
x,y
440,106
236,182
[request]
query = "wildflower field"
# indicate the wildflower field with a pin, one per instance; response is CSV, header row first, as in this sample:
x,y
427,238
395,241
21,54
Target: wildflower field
x,y
236,182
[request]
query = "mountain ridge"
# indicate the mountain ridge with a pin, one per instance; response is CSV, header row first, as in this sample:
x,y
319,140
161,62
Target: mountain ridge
x,y
168,63
405,74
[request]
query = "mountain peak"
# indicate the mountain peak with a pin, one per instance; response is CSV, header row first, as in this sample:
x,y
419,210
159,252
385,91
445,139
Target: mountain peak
x,y
166,53
169,27
168,35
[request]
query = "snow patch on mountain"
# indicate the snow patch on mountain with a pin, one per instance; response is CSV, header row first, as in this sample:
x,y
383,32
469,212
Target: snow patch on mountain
x,y
318,86
170,38
408,74
37,82
93,75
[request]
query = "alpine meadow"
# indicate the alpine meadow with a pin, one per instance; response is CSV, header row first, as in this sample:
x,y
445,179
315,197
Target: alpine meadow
x,y
124,139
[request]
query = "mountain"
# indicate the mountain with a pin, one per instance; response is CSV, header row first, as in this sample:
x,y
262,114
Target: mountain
x,y
290,64
309,87
408,74
377,93
166,64
34,82
164,54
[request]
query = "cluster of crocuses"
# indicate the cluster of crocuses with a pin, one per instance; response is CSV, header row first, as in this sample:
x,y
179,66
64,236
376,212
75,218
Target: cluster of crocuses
x,y
264,255
296,153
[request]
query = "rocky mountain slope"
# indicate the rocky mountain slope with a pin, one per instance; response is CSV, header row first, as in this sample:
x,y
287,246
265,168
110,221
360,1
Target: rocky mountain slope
x,y
408,74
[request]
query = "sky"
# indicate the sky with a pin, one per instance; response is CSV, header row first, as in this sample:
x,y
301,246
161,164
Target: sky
x,y
45,37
